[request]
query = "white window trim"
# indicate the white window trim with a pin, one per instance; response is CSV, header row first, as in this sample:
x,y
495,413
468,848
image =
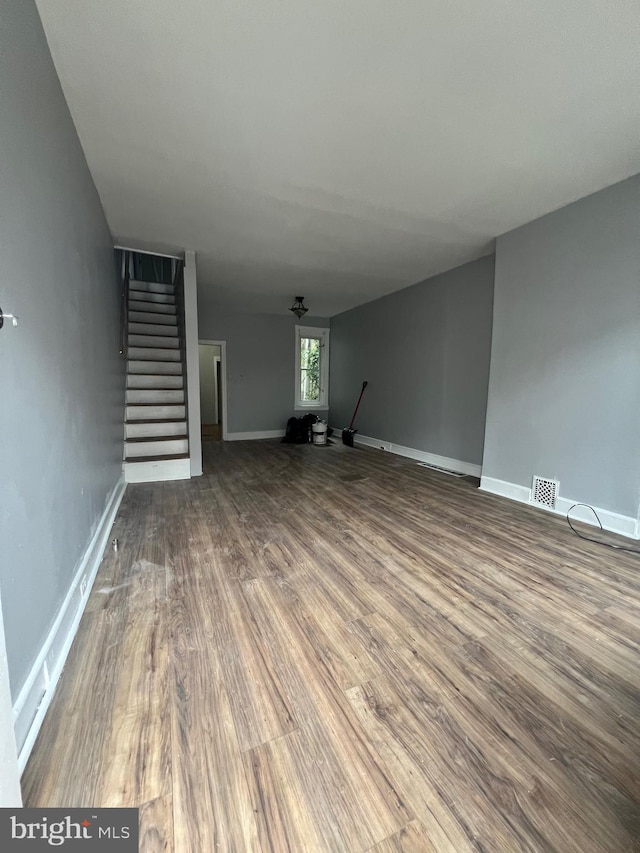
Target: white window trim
x,y
323,336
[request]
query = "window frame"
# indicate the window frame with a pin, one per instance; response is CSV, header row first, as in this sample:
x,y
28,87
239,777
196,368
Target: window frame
x,y
322,334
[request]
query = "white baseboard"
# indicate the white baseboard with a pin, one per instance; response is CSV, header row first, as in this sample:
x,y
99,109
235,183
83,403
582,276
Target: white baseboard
x,y
35,697
505,489
251,436
419,455
612,521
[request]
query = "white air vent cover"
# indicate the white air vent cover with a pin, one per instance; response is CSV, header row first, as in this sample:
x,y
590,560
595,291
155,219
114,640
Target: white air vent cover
x,y
545,492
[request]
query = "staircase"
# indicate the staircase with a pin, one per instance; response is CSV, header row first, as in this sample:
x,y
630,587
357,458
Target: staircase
x,y
156,443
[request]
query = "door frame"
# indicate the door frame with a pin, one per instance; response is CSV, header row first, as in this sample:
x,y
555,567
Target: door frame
x,y
223,384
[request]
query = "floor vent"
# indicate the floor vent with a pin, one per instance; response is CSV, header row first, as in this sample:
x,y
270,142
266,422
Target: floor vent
x,y
545,492
442,470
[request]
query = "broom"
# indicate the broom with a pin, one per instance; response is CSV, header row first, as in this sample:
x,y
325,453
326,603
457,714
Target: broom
x,y
349,432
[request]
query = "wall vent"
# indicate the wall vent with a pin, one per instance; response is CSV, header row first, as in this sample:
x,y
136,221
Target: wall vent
x,y
545,492
440,469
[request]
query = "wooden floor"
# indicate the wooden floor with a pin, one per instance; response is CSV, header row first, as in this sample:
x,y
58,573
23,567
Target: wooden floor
x,y
334,649
211,432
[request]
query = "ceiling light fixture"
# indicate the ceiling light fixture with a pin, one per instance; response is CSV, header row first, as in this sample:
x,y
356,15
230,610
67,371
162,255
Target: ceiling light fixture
x,y
298,307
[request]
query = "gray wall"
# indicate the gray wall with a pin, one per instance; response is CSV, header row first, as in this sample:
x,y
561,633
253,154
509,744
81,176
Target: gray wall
x,y
564,394
62,379
425,352
260,364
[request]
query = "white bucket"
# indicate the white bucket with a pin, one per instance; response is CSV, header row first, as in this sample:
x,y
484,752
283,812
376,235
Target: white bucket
x,y
319,431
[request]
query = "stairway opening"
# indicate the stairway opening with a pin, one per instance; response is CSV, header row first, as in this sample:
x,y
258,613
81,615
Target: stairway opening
x,y
156,433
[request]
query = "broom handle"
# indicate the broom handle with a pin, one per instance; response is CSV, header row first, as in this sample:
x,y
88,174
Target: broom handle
x,y
364,385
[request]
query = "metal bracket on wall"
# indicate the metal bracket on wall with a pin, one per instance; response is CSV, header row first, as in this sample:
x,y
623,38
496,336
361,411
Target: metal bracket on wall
x,y
4,317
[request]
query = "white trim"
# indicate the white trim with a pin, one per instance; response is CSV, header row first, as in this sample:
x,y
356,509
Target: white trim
x,y
193,362
251,436
223,383
322,334
10,794
37,692
148,252
505,489
457,465
611,521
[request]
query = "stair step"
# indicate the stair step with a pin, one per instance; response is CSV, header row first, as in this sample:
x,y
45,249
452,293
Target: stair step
x,y
152,317
155,367
160,458
153,354
154,396
152,329
155,470
164,342
152,298
154,412
148,429
156,446
151,307
153,447
148,380
151,286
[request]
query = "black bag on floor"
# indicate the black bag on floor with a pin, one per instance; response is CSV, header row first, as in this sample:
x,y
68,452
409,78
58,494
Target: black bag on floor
x,y
299,430
291,435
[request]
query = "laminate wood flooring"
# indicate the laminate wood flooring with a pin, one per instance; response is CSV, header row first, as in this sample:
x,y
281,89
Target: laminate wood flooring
x,y
334,649
211,432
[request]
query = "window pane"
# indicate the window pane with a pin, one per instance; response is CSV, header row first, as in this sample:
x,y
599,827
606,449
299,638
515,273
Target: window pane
x,y
309,369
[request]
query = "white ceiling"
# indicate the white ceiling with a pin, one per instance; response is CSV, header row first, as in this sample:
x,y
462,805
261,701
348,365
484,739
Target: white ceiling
x,y
342,149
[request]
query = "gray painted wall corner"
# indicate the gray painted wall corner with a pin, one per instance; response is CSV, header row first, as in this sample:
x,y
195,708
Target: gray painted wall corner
x,y
564,391
425,352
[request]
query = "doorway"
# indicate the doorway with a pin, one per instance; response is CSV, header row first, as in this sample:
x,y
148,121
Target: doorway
x,y
213,398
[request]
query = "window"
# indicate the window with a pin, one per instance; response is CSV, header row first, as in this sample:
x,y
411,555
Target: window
x,y
312,368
